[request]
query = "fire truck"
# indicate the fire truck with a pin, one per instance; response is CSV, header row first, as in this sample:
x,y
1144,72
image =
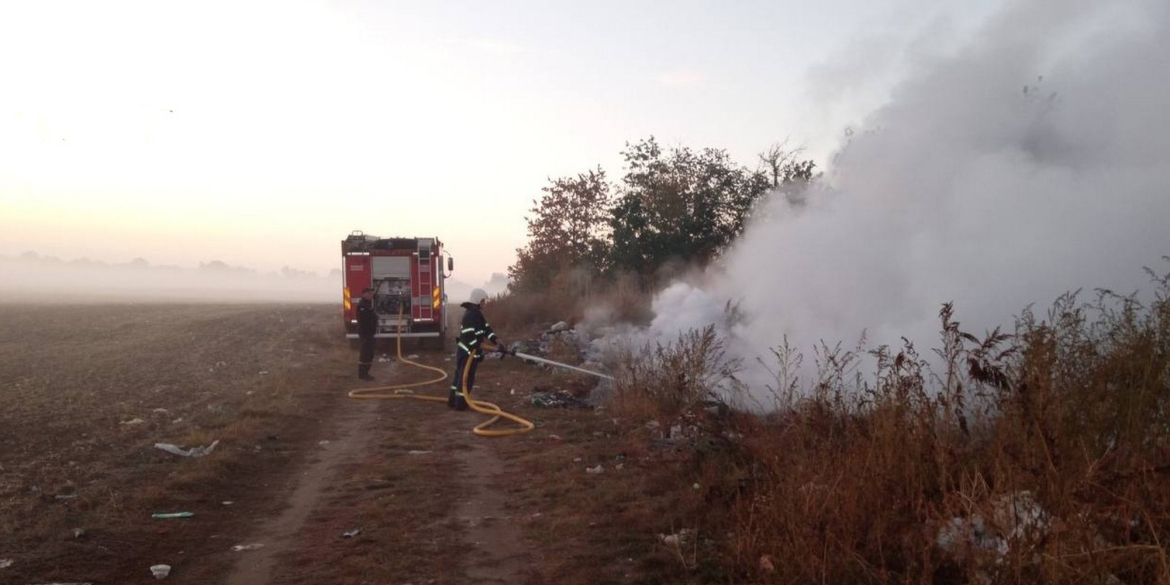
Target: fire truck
x,y
407,275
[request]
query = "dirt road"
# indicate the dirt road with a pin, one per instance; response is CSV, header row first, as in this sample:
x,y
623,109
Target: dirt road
x,y
297,465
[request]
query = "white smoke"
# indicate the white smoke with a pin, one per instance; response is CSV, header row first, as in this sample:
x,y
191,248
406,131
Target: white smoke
x,y
1034,161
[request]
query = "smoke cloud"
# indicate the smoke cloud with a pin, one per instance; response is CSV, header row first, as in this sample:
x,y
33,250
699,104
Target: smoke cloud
x,y
1031,162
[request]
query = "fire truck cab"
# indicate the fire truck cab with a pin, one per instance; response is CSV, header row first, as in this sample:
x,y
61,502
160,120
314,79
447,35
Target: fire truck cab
x,y
407,275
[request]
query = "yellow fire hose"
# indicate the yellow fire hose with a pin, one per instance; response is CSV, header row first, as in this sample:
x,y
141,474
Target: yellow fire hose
x,y
399,391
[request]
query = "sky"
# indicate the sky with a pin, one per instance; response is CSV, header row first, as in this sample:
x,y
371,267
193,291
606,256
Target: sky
x,y
260,133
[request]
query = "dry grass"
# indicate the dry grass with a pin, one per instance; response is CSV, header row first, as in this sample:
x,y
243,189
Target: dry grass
x,y
1054,441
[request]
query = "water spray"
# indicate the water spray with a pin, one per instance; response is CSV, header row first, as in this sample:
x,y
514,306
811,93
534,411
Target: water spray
x,y
557,364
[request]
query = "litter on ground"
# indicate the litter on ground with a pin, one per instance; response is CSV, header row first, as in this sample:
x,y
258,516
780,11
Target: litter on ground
x,y
192,452
558,398
166,515
160,571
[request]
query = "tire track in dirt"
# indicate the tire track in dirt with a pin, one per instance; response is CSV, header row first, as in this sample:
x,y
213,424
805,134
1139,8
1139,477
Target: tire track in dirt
x,y
428,494
351,435
496,551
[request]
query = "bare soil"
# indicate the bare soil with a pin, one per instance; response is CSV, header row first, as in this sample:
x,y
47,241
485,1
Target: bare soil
x,y
88,391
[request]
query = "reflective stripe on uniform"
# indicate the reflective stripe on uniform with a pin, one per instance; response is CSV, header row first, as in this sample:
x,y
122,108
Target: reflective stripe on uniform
x,y
468,329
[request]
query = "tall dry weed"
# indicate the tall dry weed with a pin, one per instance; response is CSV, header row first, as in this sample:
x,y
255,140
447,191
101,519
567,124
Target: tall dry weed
x,y
1036,456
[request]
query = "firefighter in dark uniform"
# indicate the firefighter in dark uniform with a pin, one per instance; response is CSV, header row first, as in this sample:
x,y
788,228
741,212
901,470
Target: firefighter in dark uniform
x,y
367,327
469,349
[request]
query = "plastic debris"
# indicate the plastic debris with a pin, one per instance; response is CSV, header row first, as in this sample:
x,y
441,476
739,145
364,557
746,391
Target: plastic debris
x,y
598,469
263,372
675,539
418,452
166,515
5,563
78,532
577,460
554,438
766,564
192,452
160,571
160,411
228,502
352,533
1015,516
132,422
413,356
558,327
243,547
560,399
65,496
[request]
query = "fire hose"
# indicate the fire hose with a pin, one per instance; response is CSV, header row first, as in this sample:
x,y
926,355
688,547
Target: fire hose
x,y
401,391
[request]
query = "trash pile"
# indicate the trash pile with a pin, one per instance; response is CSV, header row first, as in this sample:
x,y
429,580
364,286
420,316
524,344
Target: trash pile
x,y
553,344
558,399
1014,518
588,350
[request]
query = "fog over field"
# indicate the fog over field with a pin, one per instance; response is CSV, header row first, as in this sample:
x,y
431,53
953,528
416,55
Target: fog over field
x,y
33,278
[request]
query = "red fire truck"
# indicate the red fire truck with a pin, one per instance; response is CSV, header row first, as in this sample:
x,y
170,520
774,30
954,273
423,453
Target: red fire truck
x,y
407,275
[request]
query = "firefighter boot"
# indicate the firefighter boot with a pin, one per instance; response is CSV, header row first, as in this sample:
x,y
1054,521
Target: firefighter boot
x,y
460,400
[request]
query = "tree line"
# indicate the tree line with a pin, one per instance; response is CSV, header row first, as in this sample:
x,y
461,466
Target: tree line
x,y
672,206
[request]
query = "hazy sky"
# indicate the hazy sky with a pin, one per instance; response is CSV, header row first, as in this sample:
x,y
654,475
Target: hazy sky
x,y
261,133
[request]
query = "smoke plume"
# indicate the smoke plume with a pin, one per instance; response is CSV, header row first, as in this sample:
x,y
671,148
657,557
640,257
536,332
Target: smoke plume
x,y
1033,161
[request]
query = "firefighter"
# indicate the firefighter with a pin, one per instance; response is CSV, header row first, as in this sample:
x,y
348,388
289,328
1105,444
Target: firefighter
x,y
469,351
367,327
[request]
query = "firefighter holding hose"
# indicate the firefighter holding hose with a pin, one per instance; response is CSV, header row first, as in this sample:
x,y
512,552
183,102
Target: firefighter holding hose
x,y
469,351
